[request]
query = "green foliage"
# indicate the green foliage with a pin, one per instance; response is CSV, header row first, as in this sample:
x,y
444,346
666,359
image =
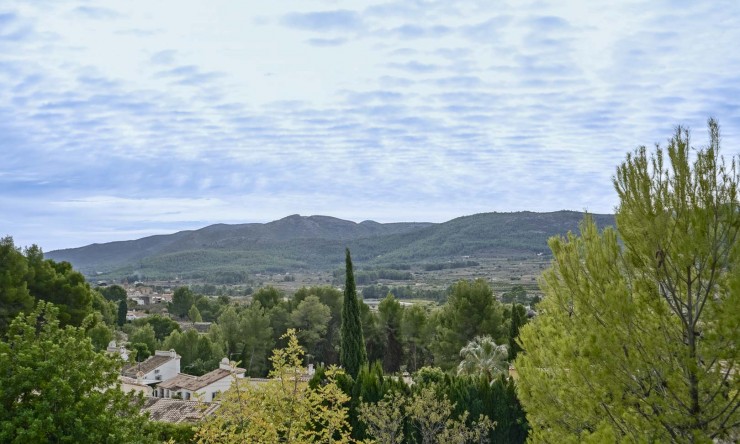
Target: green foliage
x,y
636,340
100,334
58,283
450,265
471,311
144,335
417,331
122,312
14,295
285,409
517,293
56,388
390,314
140,351
105,308
257,340
352,350
268,297
182,300
326,351
311,319
113,292
372,332
199,354
518,319
194,314
483,357
162,325
165,432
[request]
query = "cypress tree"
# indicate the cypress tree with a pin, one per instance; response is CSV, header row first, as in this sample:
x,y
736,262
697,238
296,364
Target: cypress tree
x,y
518,319
122,311
352,353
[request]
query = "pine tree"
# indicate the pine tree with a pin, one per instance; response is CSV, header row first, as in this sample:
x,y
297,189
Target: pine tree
x,y
353,353
637,335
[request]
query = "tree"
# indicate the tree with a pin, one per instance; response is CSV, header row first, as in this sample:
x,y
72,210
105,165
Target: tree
x,y
391,314
311,318
144,335
257,337
58,283
182,300
470,311
432,417
352,351
100,334
385,419
14,295
268,297
482,356
194,314
113,292
518,318
332,298
284,409
122,312
198,353
417,335
162,325
637,334
56,388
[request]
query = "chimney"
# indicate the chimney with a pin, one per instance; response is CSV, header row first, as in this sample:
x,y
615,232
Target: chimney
x,y
225,364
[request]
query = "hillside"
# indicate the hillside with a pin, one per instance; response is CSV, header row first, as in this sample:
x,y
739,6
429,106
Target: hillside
x,y
221,252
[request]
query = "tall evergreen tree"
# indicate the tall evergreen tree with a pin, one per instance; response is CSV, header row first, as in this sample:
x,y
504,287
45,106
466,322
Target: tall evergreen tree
x,y
353,353
122,311
518,319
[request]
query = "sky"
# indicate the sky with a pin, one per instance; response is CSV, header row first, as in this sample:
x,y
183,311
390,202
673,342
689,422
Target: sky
x,y
123,119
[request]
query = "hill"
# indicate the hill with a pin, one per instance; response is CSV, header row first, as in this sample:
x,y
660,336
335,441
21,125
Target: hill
x,y
226,253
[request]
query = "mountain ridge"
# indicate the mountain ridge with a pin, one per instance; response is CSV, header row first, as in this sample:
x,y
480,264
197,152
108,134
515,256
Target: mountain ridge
x,y
317,242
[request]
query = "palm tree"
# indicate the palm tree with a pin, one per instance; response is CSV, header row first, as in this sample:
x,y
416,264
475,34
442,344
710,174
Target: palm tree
x,y
483,356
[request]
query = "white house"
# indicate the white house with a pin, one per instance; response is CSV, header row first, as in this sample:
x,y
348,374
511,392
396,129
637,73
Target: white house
x,y
162,366
203,388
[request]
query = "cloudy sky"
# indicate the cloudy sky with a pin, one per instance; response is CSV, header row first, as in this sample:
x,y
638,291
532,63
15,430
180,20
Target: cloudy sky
x,y
121,119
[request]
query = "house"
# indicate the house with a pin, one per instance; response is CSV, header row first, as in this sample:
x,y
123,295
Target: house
x,y
162,366
121,350
203,388
134,385
176,410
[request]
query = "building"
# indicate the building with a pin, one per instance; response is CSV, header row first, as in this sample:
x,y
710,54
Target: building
x,y
176,410
162,366
202,388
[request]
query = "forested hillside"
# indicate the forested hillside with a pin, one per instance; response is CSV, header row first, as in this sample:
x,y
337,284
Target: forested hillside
x,y
219,252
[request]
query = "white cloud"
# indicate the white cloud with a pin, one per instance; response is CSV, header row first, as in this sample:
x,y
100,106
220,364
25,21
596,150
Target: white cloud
x,y
138,117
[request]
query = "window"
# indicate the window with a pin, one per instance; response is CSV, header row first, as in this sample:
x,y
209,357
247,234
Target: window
x,y
156,371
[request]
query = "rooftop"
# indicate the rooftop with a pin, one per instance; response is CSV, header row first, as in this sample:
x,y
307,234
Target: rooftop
x,y
160,358
177,410
195,383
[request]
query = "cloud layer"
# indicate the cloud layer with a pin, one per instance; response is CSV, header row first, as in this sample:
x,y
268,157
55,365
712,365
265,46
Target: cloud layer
x,y
124,119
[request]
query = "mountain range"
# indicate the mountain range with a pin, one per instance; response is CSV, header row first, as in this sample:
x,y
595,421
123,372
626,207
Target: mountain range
x,y
221,251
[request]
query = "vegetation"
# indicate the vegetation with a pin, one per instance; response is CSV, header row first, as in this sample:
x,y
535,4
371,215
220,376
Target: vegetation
x,y
637,335
233,254
352,350
285,409
57,388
